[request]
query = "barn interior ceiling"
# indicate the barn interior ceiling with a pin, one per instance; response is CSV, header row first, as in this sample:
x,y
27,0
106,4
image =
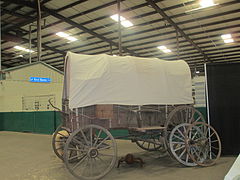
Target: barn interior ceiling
x,y
178,29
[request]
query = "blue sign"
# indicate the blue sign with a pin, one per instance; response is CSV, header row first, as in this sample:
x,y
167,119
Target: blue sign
x,y
40,79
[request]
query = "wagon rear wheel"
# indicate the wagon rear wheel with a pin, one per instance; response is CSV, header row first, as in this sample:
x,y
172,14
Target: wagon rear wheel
x,y
59,139
95,152
179,115
203,144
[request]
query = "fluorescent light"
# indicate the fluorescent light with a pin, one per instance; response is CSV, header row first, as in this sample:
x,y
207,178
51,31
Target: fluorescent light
x,y
66,36
126,23
70,38
197,72
228,40
161,47
123,20
115,17
62,34
19,48
206,3
23,49
226,36
166,50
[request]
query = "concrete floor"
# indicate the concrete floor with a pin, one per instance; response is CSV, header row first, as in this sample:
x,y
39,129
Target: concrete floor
x,y
30,157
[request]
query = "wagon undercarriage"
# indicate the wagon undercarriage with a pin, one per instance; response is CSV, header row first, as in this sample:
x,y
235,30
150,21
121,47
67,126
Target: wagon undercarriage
x,y
90,152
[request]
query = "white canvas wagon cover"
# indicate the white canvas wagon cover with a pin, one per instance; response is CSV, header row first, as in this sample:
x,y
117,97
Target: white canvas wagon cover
x,y
105,79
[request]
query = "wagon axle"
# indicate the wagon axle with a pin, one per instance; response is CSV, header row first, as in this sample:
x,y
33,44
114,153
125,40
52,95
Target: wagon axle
x,y
92,153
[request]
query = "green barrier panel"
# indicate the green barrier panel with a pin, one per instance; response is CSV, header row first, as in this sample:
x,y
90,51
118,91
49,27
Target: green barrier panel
x,y
1,122
203,110
45,122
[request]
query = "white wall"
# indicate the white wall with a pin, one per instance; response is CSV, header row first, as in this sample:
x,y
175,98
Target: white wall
x,y
199,89
17,88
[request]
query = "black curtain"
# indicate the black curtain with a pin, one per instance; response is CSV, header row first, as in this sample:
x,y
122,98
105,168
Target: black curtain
x,y
223,83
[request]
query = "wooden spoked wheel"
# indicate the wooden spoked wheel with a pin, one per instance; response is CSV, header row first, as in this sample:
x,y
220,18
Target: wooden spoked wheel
x,y
59,139
150,141
95,152
179,115
177,145
203,144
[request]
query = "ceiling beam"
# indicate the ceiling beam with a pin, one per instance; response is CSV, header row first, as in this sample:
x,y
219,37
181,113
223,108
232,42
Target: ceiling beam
x,y
29,19
181,32
34,43
69,21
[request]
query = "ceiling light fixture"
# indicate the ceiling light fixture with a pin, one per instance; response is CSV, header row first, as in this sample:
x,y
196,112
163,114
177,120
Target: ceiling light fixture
x,y
164,49
62,34
23,49
70,38
227,38
206,3
167,50
66,36
124,21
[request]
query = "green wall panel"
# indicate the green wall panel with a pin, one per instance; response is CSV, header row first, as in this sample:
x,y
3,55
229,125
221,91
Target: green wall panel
x,y
203,110
44,122
37,122
1,122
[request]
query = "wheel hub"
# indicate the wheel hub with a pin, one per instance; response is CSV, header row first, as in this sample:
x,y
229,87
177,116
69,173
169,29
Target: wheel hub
x,y
92,152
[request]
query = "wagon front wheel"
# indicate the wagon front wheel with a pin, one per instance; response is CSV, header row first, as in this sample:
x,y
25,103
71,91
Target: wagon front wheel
x,y
177,145
95,152
181,114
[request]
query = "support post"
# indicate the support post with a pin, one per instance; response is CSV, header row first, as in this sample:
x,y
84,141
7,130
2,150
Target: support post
x,y
30,44
177,35
111,50
39,39
0,44
119,29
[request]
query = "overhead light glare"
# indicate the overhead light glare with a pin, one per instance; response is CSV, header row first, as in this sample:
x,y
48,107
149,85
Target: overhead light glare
x,y
115,17
66,36
123,20
164,49
226,36
161,47
23,49
72,39
206,3
167,50
228,40
126,23
62,34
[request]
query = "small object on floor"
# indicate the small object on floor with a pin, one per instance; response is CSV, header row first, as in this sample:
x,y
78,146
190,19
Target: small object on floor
x,y
130,159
